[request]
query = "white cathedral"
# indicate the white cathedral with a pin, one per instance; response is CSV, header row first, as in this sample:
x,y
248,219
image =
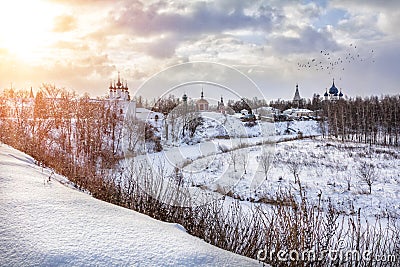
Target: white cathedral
x,y
119,91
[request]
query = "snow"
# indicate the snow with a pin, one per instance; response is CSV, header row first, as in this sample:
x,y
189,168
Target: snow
x,y
308,128
327,166
146,114
292,111
325,169
45,223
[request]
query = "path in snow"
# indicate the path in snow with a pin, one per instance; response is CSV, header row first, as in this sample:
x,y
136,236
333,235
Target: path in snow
x,y
47,224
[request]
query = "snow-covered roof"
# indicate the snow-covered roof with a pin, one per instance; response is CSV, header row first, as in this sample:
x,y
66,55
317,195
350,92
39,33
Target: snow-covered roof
x,y
297,111
268,109
265,108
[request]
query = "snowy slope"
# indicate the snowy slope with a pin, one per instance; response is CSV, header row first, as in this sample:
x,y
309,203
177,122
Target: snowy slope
x,y
308,128
46,224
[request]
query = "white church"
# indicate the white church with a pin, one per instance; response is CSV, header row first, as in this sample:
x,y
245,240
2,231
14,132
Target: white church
x,y
119,90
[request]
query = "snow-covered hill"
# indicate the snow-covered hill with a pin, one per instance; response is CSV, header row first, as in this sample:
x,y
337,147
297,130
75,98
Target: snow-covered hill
x,y
45,223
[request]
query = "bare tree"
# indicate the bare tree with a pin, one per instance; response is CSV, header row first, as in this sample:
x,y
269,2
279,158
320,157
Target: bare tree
x,y
243,160
348,180
367,173
295,168
51,91
266,159
134,135
233,157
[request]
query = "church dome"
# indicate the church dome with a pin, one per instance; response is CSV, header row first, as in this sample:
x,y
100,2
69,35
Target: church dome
x,y
333,90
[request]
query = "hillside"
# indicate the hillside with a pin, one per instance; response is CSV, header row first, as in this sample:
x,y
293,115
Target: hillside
x,y
45,223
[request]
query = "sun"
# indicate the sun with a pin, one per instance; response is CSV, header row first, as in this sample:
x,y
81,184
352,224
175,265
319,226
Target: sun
x,y
25,27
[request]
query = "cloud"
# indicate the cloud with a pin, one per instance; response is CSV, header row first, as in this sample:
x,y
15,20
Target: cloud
x,y
171,25
82,2
371,19
89,73
163,48
64,23
197,18
71,45
387,4
91,39
309,40
360,26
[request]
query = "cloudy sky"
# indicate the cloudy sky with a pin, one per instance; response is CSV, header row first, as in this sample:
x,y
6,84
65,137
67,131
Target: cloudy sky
x,y
82,44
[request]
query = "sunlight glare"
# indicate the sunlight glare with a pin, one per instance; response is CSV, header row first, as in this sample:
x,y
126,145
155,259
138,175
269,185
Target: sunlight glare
x,y
25,27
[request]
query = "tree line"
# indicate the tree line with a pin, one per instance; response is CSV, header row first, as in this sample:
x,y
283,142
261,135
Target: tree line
x,y
371,120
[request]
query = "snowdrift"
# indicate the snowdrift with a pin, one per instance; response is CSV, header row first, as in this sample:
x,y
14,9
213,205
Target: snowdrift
x,y
45,223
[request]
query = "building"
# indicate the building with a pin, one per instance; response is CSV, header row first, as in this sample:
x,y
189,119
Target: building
x,y
333,93
202,104
244,112
298,113
119,91
268,112
221,106
297,100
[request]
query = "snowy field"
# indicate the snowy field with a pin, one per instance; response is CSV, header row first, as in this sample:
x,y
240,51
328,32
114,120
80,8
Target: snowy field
x,y
327,169
46,223
331,169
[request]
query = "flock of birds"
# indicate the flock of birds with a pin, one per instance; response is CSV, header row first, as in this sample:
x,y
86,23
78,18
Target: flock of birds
x,y
330,62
